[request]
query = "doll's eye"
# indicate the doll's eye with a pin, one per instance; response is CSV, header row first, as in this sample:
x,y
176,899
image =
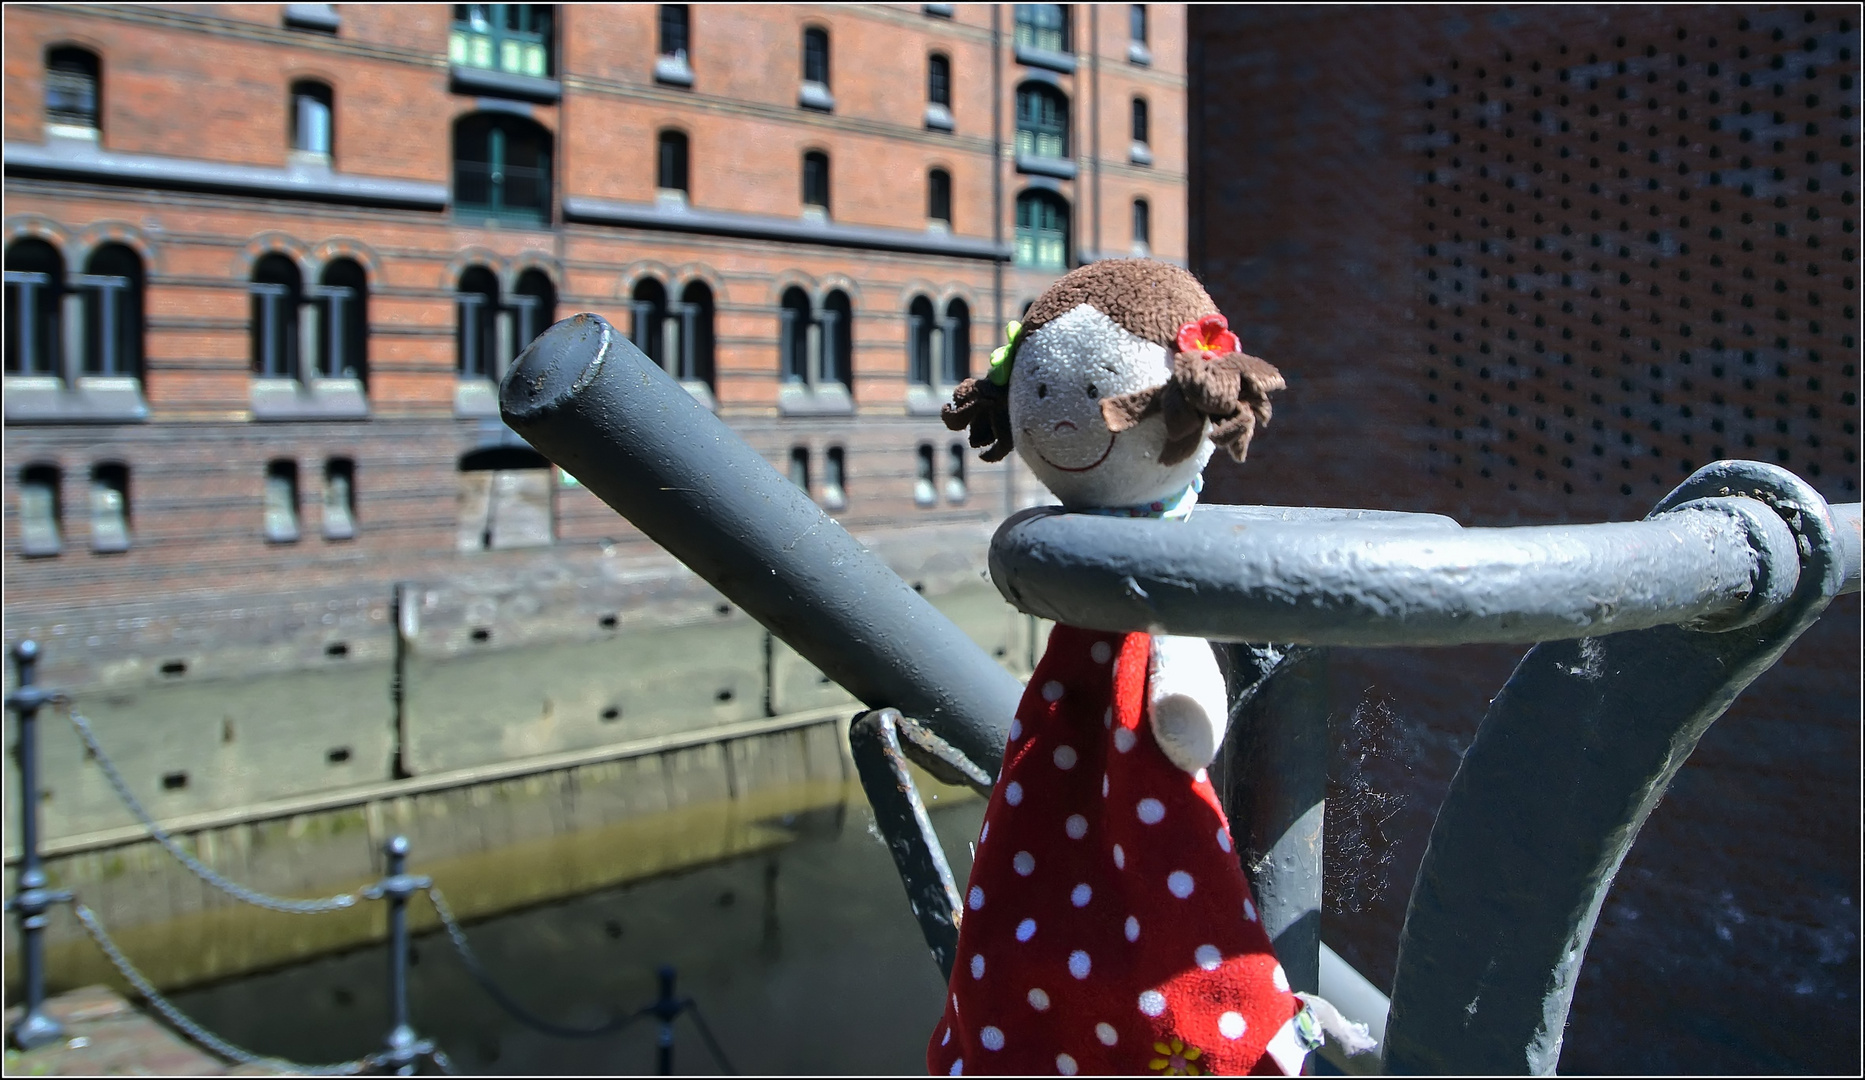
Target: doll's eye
x,y
1042,389
1092,392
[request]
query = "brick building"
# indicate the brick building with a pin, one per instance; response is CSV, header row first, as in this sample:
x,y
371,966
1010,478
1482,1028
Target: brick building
x,y
265,263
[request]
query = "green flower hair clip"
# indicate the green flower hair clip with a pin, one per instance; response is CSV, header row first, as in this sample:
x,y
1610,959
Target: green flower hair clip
x,y
1005,355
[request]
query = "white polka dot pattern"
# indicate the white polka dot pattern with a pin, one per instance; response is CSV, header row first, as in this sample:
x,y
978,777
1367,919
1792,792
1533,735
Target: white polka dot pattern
x,y
1151,811
1038,999
1249,911
1026,929
977,965
1133,928
1101,652
1016,730
975,898
1065,1065
1180,884
958,1068
1023,863
1013,793
1076,826
1223,840
1105,1032
1107,719
1080,895
1065,757
992,1038
1052,691
1231,1025
1120,857
1152,1003
1208,957
1123,739
1079,963
1280,978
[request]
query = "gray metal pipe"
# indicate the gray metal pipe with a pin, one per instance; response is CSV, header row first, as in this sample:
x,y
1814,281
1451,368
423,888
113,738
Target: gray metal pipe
x,y
586,398
1355,578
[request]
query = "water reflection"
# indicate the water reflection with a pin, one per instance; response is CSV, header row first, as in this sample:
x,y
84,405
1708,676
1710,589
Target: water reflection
x,y
804,959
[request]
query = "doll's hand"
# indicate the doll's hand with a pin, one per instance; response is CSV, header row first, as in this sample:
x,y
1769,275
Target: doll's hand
x,y
1189,709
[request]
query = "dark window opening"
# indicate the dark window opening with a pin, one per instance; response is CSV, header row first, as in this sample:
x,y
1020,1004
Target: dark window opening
x,y
1140,126
925,489
281,501
955,357
501,168
921,333
339,499
939,196
1042,122
816,179
799,467
110,507
533,307
816,55
939,80
670,172
277,295
835,479
506,499
1142,223
1042,26
478,301
1136,22
35,291
514,38
838,333
1042,230
693,321
112,285
341,308
674,30
40,513
650,329
312,117
795,335
73,80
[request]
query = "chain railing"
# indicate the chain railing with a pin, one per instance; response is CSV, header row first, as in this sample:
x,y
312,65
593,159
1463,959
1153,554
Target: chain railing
x,y
403,1051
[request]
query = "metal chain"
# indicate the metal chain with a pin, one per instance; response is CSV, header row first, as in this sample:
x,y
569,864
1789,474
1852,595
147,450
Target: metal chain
x,y
200,1034
233,889
525,1016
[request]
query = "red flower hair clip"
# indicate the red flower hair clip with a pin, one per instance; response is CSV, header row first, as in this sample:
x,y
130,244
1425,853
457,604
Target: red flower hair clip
x,y
1210,334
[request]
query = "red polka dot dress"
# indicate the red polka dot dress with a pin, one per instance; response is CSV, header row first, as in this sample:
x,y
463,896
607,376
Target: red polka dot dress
x,y
1107,926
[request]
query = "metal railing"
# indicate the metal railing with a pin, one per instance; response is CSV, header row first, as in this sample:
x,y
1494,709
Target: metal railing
x,y
404,1049
1643,634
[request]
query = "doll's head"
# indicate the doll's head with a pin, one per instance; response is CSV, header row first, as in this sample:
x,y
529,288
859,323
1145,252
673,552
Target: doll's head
x,y
1117,386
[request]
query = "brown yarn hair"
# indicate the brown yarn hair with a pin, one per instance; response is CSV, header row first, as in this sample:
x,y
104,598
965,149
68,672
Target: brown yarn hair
x,y
1151,300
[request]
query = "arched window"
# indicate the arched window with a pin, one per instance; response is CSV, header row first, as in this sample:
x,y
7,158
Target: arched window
x,y
939,80
281,501
835,479
277,291
816,180
35,291
506,499
648,304
1042,122
816,56
112,285
1042,230
477,338
799,466
670,162
675,28
501,168
1140,126
73,87
1042,26
955,490
695,311
922,329
342,293
534,309
925,489
838,340
794,335
1136,23
955,358
110,507
939,197
1142,226
339,499
40,512
312,113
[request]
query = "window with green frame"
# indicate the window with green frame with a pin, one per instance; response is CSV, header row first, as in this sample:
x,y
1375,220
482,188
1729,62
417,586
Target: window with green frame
x,y
1042,230
1042,122
1042,26
501,168
514,38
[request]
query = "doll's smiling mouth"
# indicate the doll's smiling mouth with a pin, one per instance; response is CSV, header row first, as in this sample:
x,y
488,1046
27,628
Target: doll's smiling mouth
x,y
1084,468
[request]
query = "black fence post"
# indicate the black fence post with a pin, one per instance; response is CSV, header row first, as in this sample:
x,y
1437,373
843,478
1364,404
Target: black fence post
x,y
404,1049
34,1027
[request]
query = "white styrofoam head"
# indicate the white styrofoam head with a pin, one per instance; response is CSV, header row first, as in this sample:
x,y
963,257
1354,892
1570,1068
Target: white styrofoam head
x,y
1061,373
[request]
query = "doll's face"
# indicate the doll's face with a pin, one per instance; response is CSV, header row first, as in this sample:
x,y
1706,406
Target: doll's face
x,y
1062,372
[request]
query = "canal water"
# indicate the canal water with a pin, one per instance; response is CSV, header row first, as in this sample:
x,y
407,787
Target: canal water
x,y
803,959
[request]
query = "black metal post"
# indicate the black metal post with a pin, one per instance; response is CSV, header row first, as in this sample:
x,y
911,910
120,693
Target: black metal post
x,y
34,1027
665,1010
404,1049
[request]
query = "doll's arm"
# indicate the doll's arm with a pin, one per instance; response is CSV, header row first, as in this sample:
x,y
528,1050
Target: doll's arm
x,y
1188,706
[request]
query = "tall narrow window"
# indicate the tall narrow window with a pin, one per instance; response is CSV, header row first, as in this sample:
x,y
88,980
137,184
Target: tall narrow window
x,y
110,507
835,479
112,285
695,312
955,490
477,338
342,296
514,38
1136,22
816,180
939,197
35,290
925,489
533,309
794,335
955,356
939,80
1042,230
649,329
1042,122
1042,26
339,499
1140,127
674,27
1142,226
921,329
838,340
501,168
670,174
73,81
816,56
506,499
277,291
311,113
281,501
799,466
39,510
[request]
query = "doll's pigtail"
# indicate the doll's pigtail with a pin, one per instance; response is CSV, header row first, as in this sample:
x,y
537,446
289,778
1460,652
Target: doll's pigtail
x,y
984,407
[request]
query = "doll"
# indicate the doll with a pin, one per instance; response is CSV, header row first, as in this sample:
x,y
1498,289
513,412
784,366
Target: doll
x,y
1108,927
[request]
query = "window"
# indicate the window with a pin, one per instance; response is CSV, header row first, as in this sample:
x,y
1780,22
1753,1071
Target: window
x,y
955,490
939,197
652,327
112,288
674,29
35,290
1042,26
670,171
1042,122
834,479
533,308
816,180
925,490
955,357
513,38
110,502
72,82
799,466
795,335
1142,226
816,348
501,168
478,301
342,307
339,499
816,56
277,291
838,333
694,323
1136,22
1042,230
939,80
506,499
922,332
310,119
281,501
1139,121
39,510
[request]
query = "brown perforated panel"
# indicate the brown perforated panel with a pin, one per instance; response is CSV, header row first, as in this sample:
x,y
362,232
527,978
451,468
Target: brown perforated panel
x,y
1641,258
